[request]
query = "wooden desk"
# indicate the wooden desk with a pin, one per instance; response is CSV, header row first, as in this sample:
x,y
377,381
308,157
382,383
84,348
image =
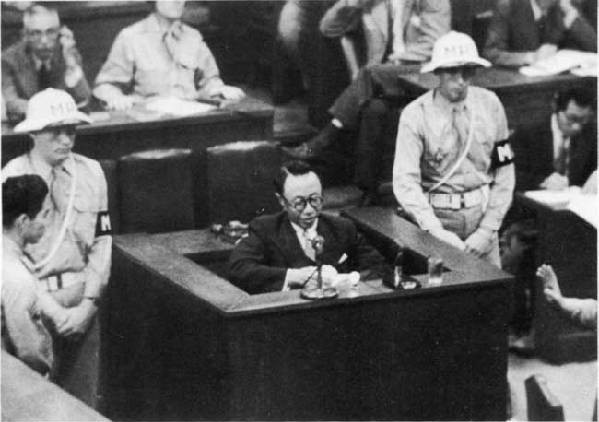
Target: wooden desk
x,y
183,343
121,134
27,396
569,244
527,100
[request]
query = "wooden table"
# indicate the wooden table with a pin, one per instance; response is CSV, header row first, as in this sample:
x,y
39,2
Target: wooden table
x,y
181,342
124,133
569,244
27,396
527,100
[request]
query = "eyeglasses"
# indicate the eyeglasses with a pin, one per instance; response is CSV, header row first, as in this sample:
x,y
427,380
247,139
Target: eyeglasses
x,y
37,34
467,72
299,202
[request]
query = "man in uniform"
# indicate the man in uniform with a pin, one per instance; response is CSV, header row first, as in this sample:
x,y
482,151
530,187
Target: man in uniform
x,y
72,259
45,57
279,253
453,172
160,55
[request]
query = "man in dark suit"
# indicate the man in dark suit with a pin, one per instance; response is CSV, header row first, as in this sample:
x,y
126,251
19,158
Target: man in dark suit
x,y
564,151
46,57
522,32
279,252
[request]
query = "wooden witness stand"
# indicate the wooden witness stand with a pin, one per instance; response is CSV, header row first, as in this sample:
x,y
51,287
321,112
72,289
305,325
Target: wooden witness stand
x,y
181,342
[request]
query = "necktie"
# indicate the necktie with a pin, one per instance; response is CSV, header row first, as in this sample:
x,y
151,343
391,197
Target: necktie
x,y
44,77
460,126
399,45
561,163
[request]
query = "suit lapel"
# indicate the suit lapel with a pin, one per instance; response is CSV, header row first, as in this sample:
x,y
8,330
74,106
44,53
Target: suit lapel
x,y
288,243
27,73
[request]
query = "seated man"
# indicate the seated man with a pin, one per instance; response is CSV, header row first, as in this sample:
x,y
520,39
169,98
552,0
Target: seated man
x,y
564,151
24,332
522,32
279,254
46,57
364,103
453,173
160,55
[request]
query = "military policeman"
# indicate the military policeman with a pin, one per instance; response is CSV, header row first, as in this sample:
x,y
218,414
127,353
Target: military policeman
x,y
72,260
453,172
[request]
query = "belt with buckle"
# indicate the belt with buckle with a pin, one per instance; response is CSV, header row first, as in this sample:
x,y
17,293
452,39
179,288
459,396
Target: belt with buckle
x,y
456,201
61,281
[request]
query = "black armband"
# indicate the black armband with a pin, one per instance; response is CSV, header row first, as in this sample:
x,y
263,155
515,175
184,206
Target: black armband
x,y
103,225
502,154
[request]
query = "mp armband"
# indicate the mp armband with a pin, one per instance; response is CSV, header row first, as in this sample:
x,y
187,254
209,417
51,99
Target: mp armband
x,y
103,225
502,154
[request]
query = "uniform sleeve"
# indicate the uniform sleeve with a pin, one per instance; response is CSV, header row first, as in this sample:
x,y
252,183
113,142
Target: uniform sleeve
x,y
435,21
340,19
31,341
208,75
406,171
583,311
116,75
582,35
497,48
14,104
503,177
248,268
99,257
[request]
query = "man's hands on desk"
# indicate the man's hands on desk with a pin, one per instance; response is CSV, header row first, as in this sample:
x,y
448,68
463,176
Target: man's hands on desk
x,y
307,277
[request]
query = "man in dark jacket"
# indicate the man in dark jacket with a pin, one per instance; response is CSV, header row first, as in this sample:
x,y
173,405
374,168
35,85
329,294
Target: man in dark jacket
x,y
279,253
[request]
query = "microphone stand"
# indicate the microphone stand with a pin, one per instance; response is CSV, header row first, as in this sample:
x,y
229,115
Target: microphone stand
x,y
320,292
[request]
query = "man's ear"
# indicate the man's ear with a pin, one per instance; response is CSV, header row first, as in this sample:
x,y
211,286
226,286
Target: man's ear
x,y
281,200
20,222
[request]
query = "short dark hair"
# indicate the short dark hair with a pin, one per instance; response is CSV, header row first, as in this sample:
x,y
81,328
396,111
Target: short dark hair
x,y
295,167
22,195
582,97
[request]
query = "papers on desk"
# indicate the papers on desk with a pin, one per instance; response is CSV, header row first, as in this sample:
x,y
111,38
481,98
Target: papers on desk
x,y
579,63
178,107
583,205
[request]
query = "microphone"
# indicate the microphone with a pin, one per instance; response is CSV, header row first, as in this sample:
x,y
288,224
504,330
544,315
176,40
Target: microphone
x,y
317,244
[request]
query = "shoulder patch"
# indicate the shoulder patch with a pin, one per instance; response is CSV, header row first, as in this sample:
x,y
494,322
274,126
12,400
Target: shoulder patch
x,y
103,224
502,154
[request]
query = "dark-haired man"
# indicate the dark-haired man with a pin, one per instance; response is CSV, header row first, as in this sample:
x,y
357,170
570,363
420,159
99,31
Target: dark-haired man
x,y
564,151
278,253
24,331
453,172
46,57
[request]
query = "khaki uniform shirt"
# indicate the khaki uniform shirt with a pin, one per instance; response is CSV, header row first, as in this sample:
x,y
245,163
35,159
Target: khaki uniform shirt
x,y
82,253
426,149
142,57
23,332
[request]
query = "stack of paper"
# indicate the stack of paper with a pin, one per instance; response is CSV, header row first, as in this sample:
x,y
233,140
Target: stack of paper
x,y
178,107
578,62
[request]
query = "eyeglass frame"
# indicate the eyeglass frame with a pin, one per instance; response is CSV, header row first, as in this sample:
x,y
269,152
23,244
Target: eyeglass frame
x,y
305,201
37,34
